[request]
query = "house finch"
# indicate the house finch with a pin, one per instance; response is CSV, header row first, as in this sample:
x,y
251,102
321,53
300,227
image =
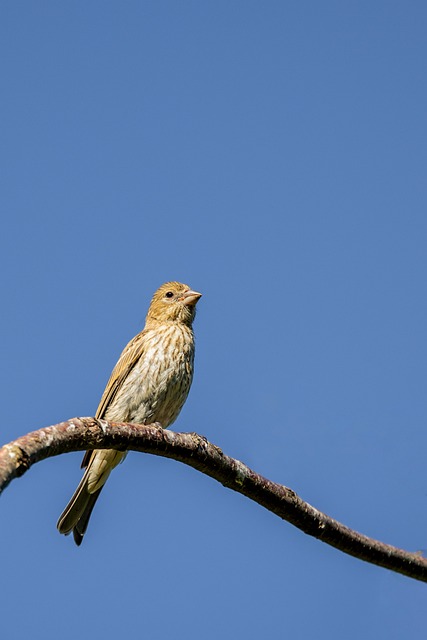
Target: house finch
x,y
149,383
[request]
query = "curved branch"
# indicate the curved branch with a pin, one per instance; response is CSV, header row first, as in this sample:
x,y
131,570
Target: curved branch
x,y
79,434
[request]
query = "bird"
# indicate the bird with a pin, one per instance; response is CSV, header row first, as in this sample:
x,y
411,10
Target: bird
x,y
149,384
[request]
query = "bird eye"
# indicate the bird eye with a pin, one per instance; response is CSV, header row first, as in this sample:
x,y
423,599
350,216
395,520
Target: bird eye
x,y
169,294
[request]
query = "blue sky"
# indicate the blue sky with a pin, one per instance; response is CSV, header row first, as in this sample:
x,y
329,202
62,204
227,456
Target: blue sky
x,y
273,156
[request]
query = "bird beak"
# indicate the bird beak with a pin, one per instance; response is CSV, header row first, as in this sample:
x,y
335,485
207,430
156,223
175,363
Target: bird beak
x,y
190,297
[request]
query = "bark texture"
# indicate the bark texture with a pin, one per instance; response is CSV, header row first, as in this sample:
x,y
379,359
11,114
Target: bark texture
x,y
194,450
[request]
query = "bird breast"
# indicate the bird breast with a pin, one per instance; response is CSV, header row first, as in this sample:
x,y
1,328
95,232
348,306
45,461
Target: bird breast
x,y
158,384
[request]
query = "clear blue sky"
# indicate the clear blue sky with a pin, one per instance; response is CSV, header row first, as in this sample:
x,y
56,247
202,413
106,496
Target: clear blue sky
x,y
273,156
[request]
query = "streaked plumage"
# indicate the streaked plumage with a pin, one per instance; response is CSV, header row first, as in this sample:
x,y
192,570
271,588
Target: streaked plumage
x,y
149,383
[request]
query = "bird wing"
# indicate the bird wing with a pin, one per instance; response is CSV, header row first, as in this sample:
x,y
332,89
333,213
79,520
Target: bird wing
x,y
129,357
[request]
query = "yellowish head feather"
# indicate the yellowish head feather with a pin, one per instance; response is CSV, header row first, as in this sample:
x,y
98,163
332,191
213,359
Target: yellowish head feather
x,y
173,302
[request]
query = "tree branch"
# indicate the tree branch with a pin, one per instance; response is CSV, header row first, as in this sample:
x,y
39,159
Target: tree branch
x,y
79,434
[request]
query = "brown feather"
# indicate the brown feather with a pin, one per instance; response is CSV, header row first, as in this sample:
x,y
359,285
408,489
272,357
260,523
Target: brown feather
x,y
169,318
130,356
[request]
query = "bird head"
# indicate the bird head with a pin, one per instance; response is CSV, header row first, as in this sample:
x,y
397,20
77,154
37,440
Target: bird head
x,y
173,302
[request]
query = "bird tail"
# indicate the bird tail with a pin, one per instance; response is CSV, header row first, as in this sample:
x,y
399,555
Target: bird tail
x,y
76,515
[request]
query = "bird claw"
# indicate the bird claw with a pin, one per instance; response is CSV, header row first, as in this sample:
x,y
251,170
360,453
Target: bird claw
x,y
199,437
102,424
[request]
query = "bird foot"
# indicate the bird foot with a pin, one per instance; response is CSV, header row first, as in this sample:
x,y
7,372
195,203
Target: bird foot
x,y
197,436
102,425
